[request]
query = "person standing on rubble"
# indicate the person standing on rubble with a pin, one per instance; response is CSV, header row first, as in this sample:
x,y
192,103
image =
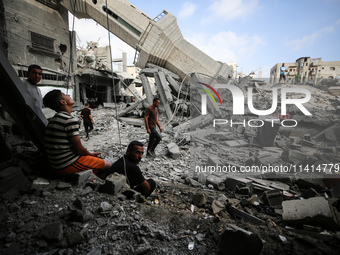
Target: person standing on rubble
x,y
63,147
87,120
127,165
283,71
151,120
33,77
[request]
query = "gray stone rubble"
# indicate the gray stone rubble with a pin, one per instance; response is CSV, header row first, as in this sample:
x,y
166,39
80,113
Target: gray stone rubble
x,y
190,212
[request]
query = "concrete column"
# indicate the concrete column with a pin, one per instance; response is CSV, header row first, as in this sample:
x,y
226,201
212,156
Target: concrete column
x,y
110,87
124,55
173,83
316,75
164,87
162,94
147,89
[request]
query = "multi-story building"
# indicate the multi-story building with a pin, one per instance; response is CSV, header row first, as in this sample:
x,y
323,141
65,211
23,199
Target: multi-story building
x,y
36,32
306,70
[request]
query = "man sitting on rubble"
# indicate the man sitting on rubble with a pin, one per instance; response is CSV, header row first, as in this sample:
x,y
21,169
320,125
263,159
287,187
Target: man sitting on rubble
x,y
127,165
63,147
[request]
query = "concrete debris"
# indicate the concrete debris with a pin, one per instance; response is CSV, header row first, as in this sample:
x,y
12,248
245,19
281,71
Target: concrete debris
x,y
199,199
173,150
312,211
53,231
244,215
213,211
113,184
235,240
274,198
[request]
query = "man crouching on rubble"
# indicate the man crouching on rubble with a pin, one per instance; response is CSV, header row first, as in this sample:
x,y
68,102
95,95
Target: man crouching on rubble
x,y
63,147
127,165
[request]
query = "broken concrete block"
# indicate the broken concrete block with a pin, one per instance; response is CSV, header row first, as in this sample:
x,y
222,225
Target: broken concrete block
x,y
173,150
201,177
266,159
53,231
216,181
81,177
106,105
113,184
235,241
337,111
75,238
335,90
250,161
296,157
274,198
217,206
236,183
79,212
192,182
199,199
313,211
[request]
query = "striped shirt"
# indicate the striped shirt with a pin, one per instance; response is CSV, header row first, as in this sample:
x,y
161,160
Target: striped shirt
x,y
58,147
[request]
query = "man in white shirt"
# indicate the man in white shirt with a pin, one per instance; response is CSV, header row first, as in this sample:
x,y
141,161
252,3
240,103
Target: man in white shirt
x,y
34,76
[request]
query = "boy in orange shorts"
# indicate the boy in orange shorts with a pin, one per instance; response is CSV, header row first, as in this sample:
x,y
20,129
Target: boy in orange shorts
x,y
65,152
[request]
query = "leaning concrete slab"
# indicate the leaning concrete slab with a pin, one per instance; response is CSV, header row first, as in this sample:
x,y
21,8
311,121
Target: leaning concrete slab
x,y
164,70
164,87
130,108
173,84
160,79
147,88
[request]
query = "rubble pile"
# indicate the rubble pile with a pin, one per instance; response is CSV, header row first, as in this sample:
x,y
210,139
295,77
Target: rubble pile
x,y
190,212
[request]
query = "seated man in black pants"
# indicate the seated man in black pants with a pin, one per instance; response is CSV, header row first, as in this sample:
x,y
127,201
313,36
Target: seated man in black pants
x,y
127,165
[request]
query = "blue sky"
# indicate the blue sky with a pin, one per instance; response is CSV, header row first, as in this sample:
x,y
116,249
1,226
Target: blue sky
x,y
256,34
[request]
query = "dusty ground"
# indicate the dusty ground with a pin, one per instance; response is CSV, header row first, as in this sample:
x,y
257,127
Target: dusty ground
x,y
165,223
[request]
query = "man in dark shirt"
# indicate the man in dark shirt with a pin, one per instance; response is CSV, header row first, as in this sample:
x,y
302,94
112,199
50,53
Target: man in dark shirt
x,y
127,165
151,121
87,119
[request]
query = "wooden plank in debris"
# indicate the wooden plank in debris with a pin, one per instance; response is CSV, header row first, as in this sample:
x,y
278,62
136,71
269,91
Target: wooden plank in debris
x,y
243,215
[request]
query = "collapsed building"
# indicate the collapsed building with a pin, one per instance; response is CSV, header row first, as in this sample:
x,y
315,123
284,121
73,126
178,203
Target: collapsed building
x,y
266,212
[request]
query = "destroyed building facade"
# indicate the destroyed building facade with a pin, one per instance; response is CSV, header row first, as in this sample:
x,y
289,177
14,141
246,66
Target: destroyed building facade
x,y
42,38
158,41
307,70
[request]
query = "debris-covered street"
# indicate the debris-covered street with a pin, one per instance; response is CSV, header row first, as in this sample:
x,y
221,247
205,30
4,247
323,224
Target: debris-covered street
x,y
246,165
189,213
